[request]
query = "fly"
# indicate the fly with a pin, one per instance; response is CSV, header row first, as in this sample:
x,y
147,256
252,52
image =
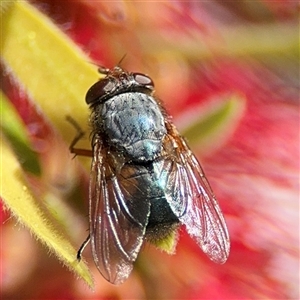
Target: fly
x,y
145,181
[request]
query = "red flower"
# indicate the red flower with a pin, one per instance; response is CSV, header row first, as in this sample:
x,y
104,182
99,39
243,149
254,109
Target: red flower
x,y
227,74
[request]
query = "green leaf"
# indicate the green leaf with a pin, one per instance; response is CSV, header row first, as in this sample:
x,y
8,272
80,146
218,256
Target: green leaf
x,y
21,202
168,243
51,68
15,131
56,75
208,127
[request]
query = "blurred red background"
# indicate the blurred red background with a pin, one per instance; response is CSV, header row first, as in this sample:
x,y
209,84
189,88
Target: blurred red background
x,y
253,168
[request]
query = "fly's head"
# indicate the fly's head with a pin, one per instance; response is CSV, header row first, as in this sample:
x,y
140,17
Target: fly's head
x,y
118,81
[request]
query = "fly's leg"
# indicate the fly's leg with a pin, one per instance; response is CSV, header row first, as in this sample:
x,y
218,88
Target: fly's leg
x,y
82,152
78,136
82,247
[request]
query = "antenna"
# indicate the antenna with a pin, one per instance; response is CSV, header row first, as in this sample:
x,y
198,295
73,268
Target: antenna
x,y
120,61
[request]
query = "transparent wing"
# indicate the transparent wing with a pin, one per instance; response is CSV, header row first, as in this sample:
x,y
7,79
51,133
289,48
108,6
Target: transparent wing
x,y
117,223
193,202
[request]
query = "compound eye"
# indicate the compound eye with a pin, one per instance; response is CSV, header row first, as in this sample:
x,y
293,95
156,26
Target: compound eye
x,y
143,80
99,89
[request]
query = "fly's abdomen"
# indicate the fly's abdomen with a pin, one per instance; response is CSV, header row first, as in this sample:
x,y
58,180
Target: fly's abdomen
x,y
141,188
134,124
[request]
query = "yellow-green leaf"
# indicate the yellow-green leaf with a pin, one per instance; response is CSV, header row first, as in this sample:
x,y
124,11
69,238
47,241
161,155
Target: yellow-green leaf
x,y
20,201
51,68
56,74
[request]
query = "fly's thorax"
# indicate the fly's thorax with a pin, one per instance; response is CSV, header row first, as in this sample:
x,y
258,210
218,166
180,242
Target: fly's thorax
x,y
134,124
